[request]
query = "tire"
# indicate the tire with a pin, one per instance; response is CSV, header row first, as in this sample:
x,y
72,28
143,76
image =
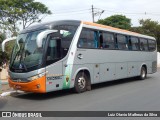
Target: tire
x,y
143,74
80,83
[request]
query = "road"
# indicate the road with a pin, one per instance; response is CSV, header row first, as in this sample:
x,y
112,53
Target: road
x,y
121,95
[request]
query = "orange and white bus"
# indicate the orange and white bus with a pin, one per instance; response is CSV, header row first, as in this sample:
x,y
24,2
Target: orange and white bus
x,y
75,54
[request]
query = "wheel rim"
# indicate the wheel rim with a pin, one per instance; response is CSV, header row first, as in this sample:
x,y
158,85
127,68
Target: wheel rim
x,y
81,82
143,73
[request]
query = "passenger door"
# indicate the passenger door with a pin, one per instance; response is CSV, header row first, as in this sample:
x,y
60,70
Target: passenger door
x,y
53,64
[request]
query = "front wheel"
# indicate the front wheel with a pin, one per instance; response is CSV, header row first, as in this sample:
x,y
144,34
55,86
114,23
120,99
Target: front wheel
x,y
80,82
143,74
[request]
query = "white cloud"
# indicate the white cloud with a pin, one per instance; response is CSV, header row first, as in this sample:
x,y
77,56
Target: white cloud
x,y
64,8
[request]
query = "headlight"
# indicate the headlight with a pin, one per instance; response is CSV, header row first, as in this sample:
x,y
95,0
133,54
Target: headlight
x,y
36,77
33,78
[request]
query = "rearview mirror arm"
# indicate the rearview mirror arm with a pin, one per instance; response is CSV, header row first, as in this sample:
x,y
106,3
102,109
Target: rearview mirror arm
x,y
7,40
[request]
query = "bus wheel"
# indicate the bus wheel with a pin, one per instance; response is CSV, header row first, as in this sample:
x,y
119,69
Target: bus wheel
x,y
143,74
80,82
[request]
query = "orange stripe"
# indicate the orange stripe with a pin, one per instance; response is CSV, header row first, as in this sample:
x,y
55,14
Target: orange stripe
x,y
30,86
110,28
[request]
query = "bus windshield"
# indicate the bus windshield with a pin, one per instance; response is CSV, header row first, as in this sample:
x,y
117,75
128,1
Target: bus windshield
x,y
26,54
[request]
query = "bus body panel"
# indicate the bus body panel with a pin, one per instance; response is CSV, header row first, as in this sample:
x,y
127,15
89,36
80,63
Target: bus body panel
x,y
121,64
121,70
54,76
133,69
107,71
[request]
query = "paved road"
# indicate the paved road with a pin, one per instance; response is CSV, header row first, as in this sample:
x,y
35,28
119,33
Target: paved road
x,y
121,95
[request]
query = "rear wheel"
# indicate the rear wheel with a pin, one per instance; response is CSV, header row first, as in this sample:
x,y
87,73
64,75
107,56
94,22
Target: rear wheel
x,y
80,82
143,74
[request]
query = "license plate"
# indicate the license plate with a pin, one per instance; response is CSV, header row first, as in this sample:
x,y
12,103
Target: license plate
x,y
17,86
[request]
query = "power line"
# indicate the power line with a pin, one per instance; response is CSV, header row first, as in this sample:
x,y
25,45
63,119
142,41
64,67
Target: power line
x,y
66,14
136,13
96,12
72,11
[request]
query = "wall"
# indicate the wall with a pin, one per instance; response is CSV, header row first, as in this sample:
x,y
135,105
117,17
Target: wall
x,y
3,74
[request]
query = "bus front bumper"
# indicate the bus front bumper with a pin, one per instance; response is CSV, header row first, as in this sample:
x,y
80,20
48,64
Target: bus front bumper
x,y
35,86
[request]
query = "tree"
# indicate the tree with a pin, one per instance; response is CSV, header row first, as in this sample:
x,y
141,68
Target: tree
x,y
149,27
21,12
118,21
2,37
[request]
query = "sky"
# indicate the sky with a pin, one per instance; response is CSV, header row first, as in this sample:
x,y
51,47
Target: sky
x,y
81,9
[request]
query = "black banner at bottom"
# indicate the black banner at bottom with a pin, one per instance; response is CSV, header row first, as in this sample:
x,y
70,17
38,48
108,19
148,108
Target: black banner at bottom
x,y
79,114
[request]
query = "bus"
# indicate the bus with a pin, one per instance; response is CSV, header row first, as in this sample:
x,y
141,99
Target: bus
x,y
76,54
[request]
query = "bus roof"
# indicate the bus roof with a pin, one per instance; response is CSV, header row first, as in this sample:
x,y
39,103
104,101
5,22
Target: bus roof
x,y
50,25
113,29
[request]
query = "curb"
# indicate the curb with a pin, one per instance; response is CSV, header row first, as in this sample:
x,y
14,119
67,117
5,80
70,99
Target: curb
x,y
4,94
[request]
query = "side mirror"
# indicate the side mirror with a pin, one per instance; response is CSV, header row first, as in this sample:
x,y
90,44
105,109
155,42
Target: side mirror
x,y
7,40
43,35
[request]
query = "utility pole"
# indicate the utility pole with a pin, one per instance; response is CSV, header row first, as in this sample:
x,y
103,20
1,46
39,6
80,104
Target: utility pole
x,y
92,13
97,12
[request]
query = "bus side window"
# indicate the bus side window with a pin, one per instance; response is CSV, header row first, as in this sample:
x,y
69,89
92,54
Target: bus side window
x,y
108,41
81,43
143,44
122,42
66,33
152,45
87,39
101,41
96,39
134,43
129,43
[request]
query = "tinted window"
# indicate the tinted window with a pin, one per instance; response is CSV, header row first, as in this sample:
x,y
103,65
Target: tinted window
x,y
134,43
88,39
143,45
151,45
53,51
66,33
122,42
108,41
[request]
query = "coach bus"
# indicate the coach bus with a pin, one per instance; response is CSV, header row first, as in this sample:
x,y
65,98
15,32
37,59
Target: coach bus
x,y
76,54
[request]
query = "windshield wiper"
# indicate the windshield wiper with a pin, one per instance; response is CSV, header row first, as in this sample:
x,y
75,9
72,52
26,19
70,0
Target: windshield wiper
x,y
14,59
20,52
23,65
